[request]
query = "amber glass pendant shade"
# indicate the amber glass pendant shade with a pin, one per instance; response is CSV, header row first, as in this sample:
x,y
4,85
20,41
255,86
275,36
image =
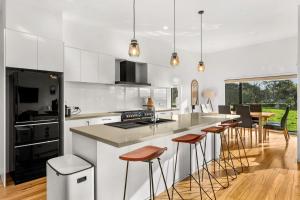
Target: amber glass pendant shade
x,y
134,49
201,66
174,59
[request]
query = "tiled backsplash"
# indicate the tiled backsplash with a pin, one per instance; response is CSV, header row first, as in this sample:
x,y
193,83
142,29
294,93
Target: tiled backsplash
x,y
106,98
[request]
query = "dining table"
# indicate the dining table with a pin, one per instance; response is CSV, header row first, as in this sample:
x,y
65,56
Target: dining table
x,y
262,118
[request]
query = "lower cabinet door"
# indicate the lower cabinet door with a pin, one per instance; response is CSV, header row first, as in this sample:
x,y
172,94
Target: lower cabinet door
x,y
30,160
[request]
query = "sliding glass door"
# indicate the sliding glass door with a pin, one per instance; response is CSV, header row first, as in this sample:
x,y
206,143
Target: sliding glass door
x,y
274,95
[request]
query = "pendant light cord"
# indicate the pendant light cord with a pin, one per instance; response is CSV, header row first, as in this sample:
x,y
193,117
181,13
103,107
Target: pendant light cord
x,y
174,26
133,19
201,36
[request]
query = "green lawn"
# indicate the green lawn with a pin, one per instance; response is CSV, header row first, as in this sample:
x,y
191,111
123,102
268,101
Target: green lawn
x,y
292,118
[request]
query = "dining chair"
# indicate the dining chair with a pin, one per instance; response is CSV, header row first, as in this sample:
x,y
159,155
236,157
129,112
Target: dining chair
x,y
246,120
279,126
224,109
255,108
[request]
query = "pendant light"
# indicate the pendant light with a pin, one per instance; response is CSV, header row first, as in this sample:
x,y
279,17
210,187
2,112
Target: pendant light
x,y
201,66
174,58
134,49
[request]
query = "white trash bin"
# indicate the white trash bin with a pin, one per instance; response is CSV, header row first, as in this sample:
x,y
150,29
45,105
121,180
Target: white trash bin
x,y
70,178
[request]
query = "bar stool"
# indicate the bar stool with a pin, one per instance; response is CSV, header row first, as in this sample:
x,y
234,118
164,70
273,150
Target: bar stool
x,y
145,154
234,125
220,131
191,139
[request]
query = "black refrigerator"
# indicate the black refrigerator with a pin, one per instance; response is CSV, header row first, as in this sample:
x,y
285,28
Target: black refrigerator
x,y
35,122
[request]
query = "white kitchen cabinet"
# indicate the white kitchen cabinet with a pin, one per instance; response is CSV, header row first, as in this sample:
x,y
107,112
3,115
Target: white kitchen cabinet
x,y
50,55
72,71
21,50
83,122
89,67
105,120
68,134
167,114
106,69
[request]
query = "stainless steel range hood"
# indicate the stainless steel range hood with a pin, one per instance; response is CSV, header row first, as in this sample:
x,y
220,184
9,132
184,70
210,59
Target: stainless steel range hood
x,y
131,73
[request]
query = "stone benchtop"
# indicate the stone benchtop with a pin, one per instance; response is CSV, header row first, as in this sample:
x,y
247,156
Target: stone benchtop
x,y
118,137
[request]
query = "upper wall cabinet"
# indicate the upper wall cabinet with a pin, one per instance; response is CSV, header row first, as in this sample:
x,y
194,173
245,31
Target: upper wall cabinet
x,y
35,17
107,69
50,55
21,50
30,52
72,64
89,67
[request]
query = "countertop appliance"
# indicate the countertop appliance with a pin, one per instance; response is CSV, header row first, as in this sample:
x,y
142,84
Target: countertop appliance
x,y
137,118
34,121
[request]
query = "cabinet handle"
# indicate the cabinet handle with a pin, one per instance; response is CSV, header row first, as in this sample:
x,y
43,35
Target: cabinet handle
x,y
38,143
88,123
82,179
107,119
38,124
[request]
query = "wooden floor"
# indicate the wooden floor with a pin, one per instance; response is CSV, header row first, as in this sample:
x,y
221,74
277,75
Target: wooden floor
x,y
273,174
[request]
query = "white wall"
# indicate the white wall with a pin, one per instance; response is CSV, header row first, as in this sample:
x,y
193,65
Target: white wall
x,y
2,98
156,54
266,59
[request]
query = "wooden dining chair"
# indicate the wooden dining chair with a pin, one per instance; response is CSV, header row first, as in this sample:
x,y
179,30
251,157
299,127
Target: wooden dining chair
x,y
279,126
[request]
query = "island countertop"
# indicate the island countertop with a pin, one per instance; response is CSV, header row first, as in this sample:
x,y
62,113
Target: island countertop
x,y
118,137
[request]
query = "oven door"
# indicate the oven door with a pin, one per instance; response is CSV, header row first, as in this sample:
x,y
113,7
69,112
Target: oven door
x,y
33,133
30,160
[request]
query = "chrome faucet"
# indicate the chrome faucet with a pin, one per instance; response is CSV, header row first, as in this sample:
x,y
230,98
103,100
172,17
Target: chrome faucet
x,y
154,118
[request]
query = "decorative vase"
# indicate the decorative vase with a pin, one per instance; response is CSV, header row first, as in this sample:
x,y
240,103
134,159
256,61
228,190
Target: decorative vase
x,y
150,103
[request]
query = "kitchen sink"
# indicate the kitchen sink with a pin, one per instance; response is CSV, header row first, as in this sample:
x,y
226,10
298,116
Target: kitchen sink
x,y
158,121
135,124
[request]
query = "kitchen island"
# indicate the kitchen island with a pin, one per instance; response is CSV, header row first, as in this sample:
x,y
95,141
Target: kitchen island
x,y
102,145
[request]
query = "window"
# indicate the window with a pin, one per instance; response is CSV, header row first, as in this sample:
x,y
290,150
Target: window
x,y
274,95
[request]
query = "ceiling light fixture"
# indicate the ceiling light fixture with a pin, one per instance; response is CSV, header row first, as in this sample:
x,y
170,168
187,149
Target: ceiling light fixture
x,y
134,49
174,58
165,27
201,66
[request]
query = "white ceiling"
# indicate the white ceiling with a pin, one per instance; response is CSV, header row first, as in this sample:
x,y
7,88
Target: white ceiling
x,y
227,23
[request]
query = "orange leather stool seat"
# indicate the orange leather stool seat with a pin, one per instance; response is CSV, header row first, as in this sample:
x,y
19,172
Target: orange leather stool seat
x,y
230,124
143,154
214,129
189,138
